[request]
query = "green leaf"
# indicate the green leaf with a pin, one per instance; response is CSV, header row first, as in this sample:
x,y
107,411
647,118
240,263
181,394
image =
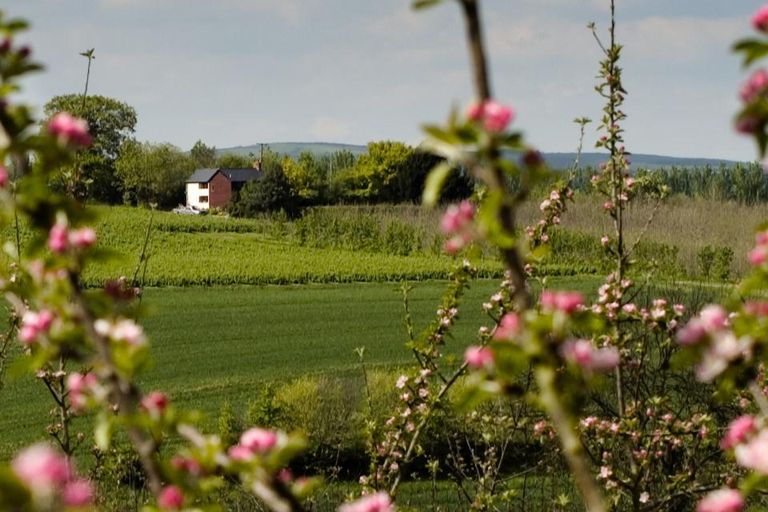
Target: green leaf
x,y
425,4
753,49
434,183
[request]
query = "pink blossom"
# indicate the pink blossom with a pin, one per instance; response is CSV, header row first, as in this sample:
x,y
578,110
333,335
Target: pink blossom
x,y
33,324
760,19
747,125
567,302
239,453
457,217
604,241
170,497
69,130
77,384
494,116
475,111
77,493
608,205
478,357
82,238
722,500
3,176
757,308
379,502
259,440
582,353
754,454
129,331
155,402
401,382
692,333
454,245
58,239
738,431
187,464
629,308
758,255
41,468
755,86
713,317
508,328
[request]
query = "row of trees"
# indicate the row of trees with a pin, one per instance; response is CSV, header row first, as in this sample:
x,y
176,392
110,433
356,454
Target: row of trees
x,y
119,169
746,183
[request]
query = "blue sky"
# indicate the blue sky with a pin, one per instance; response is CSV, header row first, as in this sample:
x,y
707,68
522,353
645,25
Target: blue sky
x,y
237,72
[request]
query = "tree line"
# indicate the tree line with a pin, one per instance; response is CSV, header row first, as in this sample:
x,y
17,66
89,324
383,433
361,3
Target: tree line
x,y
117,168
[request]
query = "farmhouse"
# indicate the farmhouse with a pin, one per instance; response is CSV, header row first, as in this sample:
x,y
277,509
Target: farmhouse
x,y
212,188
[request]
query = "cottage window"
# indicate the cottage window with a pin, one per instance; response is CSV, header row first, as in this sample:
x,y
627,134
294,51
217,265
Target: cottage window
x,y
202,186
203,199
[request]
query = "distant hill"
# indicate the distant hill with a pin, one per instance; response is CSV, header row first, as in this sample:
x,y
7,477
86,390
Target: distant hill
x,y
554,160
293,149
639,161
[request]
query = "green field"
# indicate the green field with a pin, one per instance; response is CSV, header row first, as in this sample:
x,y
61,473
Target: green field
x,y
220,343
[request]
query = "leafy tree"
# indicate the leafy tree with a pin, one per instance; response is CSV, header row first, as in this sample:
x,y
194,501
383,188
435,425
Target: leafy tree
x,y
204,156
234,161
153,173
308,176
393,172
111,122
271,193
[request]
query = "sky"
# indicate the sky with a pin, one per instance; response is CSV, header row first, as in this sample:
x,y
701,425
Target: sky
x,y
240,72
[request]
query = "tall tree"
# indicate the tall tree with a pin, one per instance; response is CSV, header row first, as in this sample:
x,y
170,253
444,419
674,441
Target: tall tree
x,y
111,122
204,156
153,173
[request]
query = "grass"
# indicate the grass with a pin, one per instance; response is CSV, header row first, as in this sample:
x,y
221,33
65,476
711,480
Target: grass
x,y
220,343
212,344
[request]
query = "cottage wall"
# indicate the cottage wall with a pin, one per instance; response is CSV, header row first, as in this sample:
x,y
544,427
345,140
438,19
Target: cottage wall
x,y
219,190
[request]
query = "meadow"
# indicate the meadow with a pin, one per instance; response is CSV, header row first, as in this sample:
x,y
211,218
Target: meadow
x,y
326,285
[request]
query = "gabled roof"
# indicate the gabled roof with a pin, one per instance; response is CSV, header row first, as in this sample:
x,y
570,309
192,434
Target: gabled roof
x,y
233,175
202,176
242,175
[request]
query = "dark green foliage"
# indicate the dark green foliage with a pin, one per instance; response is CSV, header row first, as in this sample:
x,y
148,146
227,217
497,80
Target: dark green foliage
x,y
153,173
111,122
204,156
271,193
